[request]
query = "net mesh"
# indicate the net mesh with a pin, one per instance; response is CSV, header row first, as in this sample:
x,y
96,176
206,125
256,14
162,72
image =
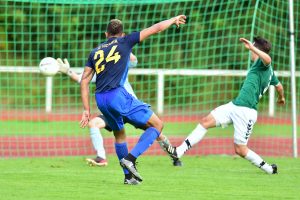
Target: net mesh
x,y
188,65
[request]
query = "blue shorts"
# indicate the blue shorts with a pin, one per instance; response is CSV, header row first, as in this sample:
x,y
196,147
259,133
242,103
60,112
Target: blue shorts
x,y
117,104
107,127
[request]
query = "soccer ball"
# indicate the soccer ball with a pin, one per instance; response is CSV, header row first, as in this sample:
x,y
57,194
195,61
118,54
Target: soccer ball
x,y
48,66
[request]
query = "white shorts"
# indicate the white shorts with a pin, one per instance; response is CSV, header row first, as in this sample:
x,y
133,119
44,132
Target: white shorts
x,y
242,118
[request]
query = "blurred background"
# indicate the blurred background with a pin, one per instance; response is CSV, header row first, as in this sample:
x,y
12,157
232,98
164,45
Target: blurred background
x,y
183,73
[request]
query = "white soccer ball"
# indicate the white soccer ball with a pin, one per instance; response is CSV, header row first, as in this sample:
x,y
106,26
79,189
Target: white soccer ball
x,y
48,66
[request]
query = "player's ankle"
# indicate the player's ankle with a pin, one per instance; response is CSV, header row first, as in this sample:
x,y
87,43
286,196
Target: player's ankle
x,y
130,157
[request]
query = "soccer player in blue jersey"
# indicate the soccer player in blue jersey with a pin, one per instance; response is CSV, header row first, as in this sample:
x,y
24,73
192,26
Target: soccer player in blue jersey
x,y
110,63
100,121
242,111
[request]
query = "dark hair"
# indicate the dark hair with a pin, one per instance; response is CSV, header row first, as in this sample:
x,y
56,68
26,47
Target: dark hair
x,y
262,44
114,27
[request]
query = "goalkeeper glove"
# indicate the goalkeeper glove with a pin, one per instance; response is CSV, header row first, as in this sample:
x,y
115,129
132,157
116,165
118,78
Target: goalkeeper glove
x,y
64,67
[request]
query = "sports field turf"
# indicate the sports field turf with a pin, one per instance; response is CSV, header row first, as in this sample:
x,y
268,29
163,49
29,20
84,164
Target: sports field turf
x,y
170,128
212,177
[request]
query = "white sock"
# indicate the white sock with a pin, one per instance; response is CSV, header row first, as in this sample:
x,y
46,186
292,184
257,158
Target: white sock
x,y
97,141
195,137
258,162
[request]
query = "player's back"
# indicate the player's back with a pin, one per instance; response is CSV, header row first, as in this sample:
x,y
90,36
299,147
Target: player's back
x,y
110,61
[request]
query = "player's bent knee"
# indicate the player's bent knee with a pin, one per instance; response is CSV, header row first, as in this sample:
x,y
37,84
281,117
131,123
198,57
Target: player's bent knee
x,y
208,121
96,123
156,123
204,122
120,136
93,124
241,150
160,126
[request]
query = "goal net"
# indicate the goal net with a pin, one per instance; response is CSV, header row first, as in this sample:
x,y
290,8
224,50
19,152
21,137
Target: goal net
x,y
183,73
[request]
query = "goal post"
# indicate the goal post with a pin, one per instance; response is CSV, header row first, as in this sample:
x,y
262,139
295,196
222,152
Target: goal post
x,y
293,77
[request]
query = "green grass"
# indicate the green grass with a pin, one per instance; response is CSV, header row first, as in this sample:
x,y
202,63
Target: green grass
x,y
212,177
171,128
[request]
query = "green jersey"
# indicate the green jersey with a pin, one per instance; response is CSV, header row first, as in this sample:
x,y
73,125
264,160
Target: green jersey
x,y
257,82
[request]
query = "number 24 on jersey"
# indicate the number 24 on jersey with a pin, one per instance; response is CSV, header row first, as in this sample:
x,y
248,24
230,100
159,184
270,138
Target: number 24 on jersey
x,y
112,56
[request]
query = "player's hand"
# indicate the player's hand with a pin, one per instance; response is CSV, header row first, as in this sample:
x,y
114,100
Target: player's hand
x,y
180,19
247,43
63,66
85,118
280,100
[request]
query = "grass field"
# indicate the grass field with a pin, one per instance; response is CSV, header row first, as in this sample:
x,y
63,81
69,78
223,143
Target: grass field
x,y
170,128
212,177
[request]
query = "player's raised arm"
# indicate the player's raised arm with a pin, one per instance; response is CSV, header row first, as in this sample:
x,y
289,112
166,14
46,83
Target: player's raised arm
x,y
266,59
87,76
161,26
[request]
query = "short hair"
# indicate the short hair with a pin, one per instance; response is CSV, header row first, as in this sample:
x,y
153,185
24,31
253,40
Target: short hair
x,y
262,44
114,27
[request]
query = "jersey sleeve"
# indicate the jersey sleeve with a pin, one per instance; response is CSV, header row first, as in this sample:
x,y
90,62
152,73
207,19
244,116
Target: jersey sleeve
x,y
132,39
274,80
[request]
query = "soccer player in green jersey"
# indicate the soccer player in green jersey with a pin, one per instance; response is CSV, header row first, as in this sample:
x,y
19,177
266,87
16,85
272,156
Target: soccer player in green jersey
x,y
242,111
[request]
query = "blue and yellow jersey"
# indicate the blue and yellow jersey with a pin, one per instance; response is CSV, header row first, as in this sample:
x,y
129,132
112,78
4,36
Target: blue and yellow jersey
x,y
110,60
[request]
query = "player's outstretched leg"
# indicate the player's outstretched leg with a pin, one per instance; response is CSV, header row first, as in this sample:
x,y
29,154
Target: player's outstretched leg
x,y
195,137
255,159
164,142
95,124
